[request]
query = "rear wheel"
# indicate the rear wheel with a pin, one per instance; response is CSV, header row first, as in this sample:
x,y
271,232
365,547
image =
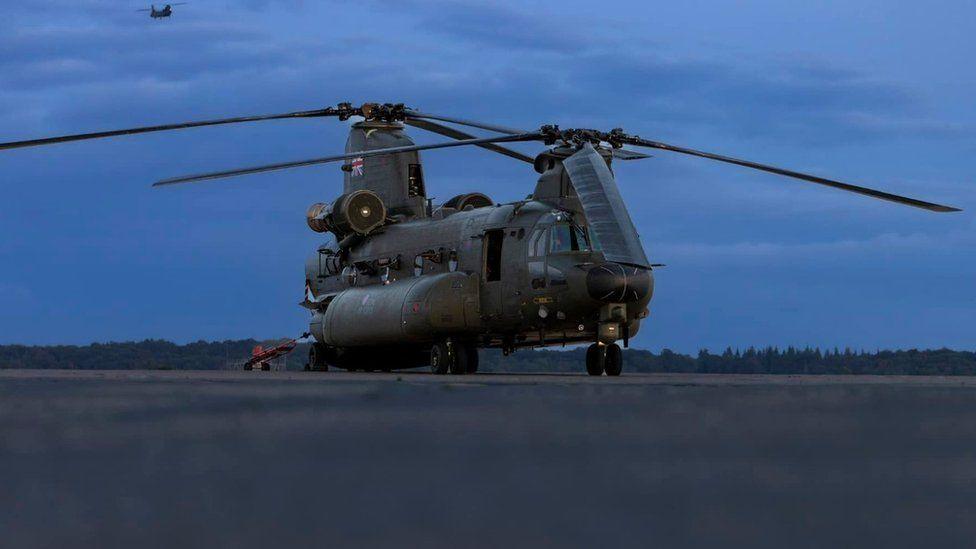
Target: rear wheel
x,y
614,362
465,359
472,356
595,357
317,358
440,359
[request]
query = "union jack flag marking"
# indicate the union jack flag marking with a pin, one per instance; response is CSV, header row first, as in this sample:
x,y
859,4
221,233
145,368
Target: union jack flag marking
x,y
357,166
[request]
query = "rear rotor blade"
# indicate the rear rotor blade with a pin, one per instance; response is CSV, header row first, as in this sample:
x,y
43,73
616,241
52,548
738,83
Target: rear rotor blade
x,y
796,175
480,125
458,134
348,156
96,135
606,213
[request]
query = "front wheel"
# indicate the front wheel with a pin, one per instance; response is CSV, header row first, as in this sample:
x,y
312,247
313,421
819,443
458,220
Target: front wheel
x,y
596,355
614,363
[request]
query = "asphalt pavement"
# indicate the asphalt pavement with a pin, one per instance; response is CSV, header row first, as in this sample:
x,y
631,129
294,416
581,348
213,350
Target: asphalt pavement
x,y
261,459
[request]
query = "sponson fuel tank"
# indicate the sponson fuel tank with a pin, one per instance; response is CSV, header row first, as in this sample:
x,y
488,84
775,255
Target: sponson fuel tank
x,y
412,310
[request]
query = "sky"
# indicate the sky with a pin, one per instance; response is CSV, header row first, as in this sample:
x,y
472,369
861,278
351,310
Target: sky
x,y
877,93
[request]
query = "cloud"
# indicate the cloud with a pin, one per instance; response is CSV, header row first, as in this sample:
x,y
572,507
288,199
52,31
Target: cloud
x,y
473,59
497,27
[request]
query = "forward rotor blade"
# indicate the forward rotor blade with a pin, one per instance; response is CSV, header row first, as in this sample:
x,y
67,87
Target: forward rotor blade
x,y
480,125
626,154
348,156
97,135
458,134
796,175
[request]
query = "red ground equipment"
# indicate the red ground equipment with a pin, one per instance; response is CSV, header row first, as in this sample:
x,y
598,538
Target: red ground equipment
x,y
261,358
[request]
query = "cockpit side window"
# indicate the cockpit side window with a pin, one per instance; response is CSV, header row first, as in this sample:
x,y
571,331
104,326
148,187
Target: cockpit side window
x,y
537,246
560,239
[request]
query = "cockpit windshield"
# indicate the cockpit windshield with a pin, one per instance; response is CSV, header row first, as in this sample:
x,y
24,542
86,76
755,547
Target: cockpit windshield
x,y
566,237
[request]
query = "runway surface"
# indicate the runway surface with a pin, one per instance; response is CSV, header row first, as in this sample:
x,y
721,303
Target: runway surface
x,y
259,459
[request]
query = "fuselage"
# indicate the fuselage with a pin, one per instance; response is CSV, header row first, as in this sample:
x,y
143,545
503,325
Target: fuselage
x,y
534,271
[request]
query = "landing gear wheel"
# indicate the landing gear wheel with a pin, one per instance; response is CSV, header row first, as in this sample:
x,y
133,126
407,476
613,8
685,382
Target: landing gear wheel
x,y
471,352
317,358
614,362
440,359
465,359
596,356
459,359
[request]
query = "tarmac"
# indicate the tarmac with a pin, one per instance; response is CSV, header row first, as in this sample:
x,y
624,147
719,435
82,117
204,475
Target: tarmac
x,y
328,459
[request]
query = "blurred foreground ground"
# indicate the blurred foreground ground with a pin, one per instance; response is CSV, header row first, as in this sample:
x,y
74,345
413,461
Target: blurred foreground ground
x,y
257,459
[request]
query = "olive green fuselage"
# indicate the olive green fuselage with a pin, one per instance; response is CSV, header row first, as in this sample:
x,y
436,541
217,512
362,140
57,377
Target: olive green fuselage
x,y
497,275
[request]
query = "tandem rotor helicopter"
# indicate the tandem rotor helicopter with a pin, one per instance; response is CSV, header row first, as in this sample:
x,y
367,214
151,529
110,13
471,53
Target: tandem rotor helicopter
x,y
400,282
167,10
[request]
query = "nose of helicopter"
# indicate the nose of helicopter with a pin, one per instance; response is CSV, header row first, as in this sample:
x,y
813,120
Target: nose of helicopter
x,y
616,283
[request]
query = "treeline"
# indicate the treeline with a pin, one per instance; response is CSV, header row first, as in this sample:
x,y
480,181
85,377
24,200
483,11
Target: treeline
x,y
151,354
770,360
222,355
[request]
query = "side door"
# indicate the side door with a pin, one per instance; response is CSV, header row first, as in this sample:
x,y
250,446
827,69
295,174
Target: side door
x,y
492,258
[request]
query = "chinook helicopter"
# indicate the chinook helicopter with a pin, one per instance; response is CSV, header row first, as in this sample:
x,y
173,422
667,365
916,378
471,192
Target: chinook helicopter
x,y
400,282
166,11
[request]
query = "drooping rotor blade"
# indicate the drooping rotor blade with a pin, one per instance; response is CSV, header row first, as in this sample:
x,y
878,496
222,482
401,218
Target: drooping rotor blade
x,y
626,154
410,113
348,156
796,175
458,134
330,111
606,213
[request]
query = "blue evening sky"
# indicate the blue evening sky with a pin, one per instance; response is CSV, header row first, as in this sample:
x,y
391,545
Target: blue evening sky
x,y
879,93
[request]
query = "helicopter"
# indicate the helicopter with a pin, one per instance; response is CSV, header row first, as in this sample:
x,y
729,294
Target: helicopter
x,y
167,10
399,282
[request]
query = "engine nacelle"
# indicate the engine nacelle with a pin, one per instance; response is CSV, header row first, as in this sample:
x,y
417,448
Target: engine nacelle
x,y
359,212
468,201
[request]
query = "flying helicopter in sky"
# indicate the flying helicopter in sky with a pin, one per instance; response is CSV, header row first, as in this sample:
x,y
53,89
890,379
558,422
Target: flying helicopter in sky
x,y
401,282
166,11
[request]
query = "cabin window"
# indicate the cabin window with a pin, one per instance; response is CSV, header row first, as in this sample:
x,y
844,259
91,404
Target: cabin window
x,y
493,254
418,265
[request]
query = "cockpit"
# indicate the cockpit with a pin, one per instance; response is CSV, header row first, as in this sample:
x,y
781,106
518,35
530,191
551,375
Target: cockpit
x,y
558,235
